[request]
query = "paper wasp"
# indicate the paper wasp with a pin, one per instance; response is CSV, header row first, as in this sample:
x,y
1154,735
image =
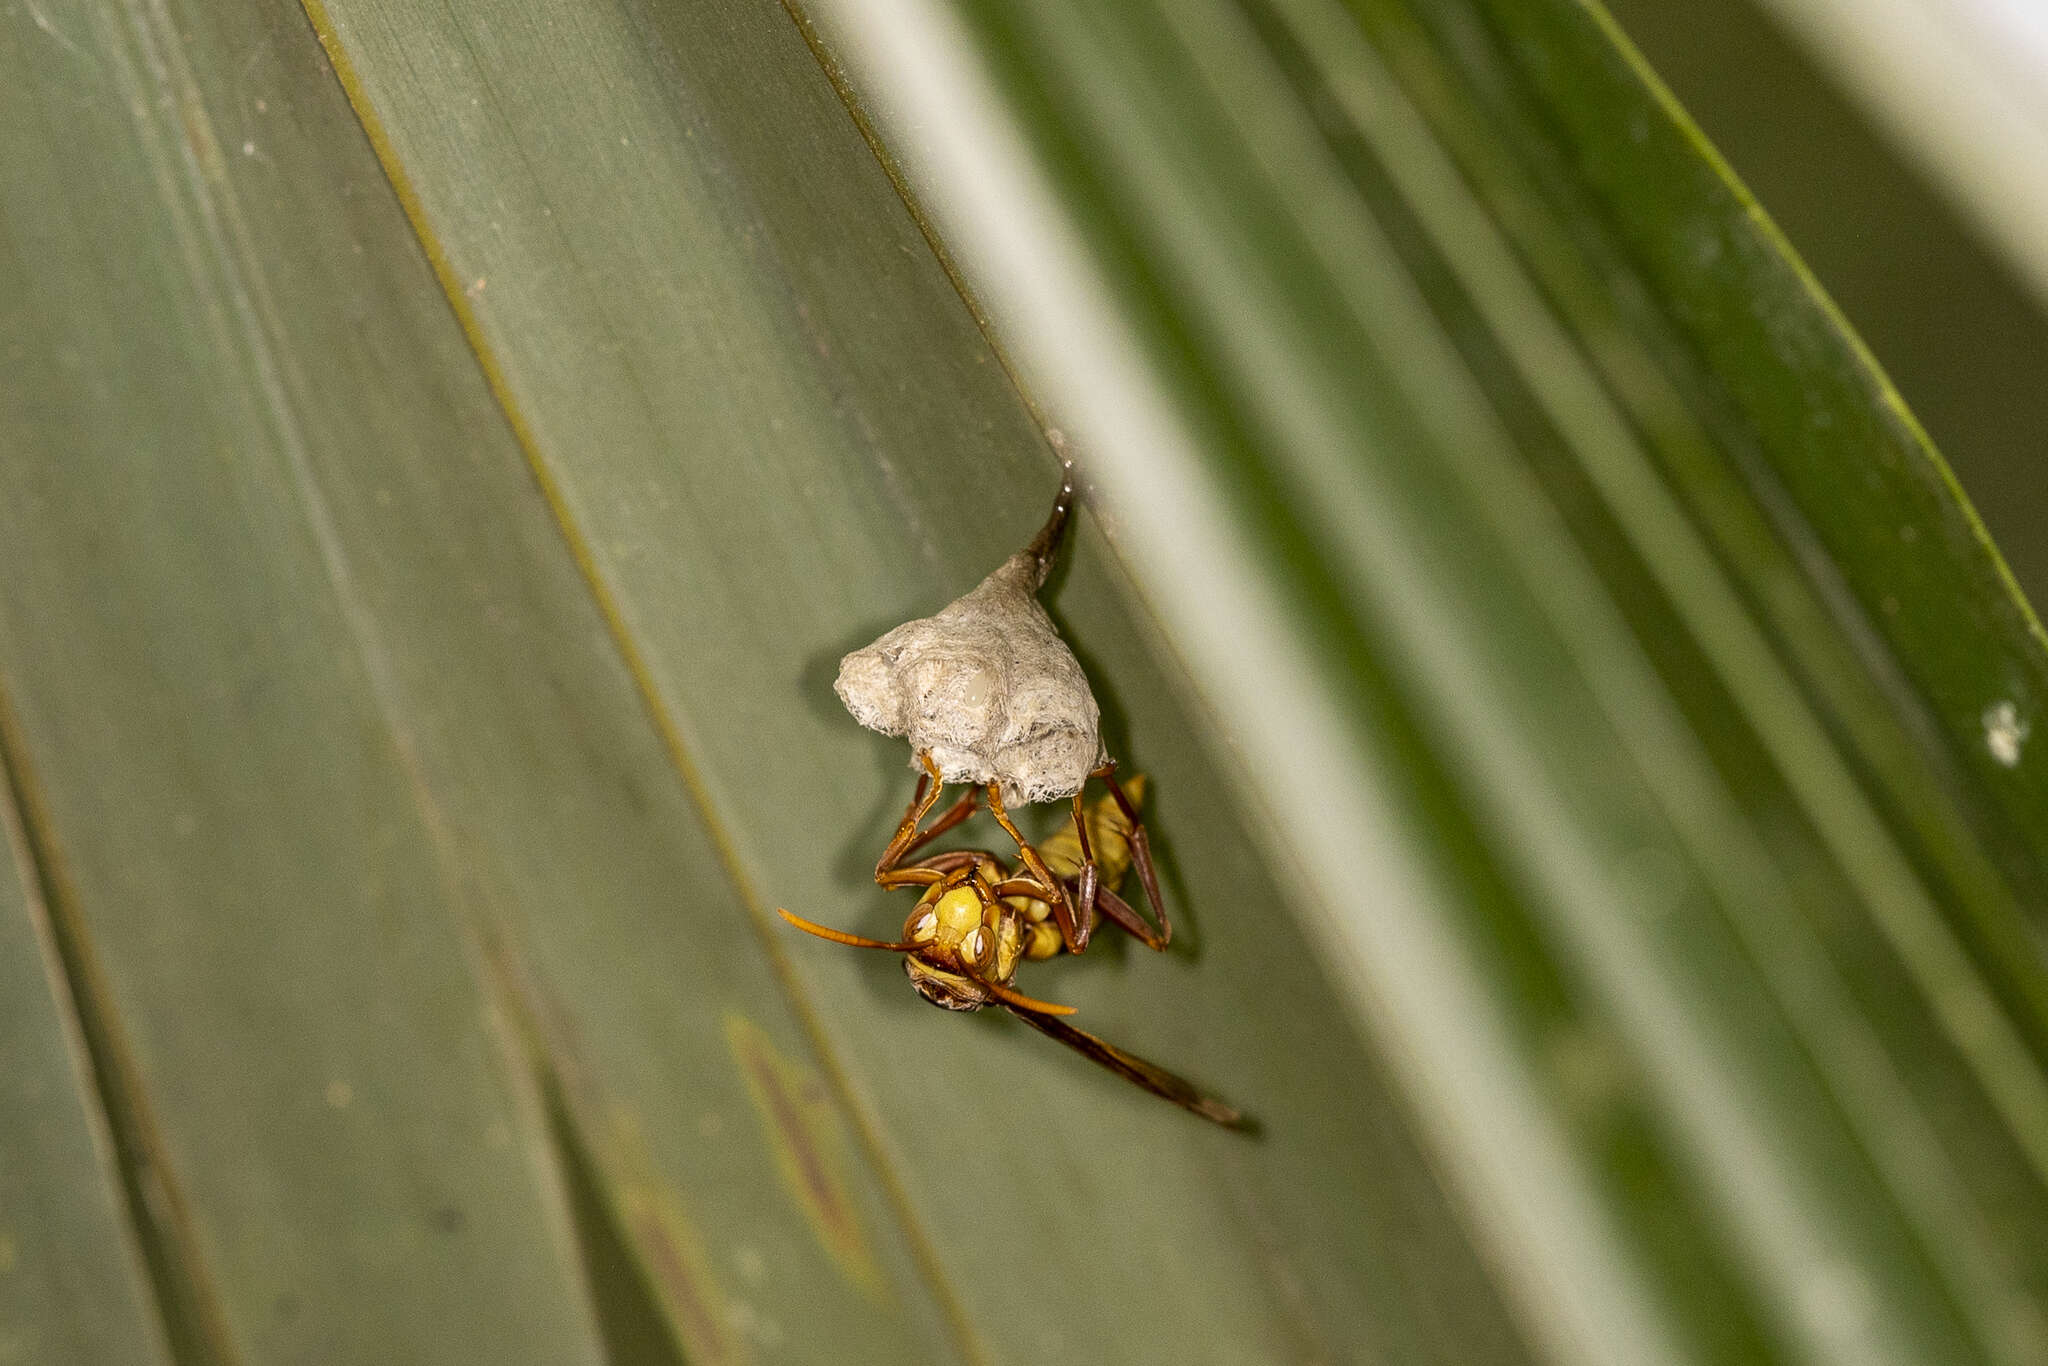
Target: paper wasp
x,y
978,920
992,698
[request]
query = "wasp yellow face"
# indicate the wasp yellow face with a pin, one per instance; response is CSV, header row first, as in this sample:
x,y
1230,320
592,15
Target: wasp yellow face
x,y
961,938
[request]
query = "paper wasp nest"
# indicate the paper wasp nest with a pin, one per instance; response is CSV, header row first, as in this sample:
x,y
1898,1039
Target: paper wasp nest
x,y
987,686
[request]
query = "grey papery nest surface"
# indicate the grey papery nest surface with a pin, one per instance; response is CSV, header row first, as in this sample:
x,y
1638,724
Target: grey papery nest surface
x,y
987,687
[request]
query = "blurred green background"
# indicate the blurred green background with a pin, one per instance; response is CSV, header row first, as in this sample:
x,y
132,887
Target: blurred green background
x,y
445,450
1950,319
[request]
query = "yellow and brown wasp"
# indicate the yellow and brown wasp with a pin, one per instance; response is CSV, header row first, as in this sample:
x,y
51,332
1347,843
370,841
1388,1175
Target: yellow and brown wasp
x,y
989,696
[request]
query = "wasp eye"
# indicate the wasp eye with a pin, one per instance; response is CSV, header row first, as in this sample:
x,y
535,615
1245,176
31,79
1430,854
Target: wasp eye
x,y
974,947
1009,948
924,927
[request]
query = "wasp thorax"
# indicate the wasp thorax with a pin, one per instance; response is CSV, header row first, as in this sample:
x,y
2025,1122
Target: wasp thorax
x,y
964,942
1010,940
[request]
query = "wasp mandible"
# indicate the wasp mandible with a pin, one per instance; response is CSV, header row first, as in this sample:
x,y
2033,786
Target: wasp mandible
x,y
992,698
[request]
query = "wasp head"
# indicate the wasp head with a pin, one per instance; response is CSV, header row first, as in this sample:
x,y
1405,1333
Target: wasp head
x,y
965,939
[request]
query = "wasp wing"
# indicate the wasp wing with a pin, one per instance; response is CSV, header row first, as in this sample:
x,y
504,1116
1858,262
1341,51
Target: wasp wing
x,y
1133,1068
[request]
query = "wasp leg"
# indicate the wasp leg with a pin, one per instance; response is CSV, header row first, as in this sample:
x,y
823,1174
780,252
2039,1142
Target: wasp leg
x,y
908,837
1091,876
917,875
1141,855
941,867
1109,903
921,801
1074,929
1119,910
1042,940
957,858
950,817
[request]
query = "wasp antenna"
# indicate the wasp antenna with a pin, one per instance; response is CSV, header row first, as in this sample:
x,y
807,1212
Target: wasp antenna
x,y
1046,543
1022,1002
841,936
